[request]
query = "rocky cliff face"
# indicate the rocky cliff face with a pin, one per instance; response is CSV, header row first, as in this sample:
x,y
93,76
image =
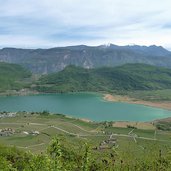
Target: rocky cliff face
x,y
45,61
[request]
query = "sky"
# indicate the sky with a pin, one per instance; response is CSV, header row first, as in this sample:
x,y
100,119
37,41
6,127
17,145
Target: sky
x,y
52,23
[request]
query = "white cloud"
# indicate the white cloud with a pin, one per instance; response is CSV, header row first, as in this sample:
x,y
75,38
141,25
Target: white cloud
x,y
48,23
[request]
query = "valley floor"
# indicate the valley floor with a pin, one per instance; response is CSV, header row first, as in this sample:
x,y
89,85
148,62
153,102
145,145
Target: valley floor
x,y
110,147
31,130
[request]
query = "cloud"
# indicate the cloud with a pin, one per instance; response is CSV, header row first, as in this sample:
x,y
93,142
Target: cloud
x,y
46,23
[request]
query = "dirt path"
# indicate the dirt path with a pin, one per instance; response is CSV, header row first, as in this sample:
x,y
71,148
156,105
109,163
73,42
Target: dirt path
x,y
60,129
31,146
93,130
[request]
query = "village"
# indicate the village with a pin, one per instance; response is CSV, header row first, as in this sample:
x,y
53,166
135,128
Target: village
x,y
5,114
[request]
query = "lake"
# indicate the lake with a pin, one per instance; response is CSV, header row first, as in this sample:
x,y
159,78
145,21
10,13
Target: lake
x,y
83,105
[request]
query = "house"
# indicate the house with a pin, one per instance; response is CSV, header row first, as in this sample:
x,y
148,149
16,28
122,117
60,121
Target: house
x,y
34,132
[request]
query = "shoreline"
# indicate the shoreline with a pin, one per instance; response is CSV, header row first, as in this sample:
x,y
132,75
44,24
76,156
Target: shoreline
x,y
143,125
119,98
106,96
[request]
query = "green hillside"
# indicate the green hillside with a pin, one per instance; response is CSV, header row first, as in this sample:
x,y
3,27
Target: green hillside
x,y
123,78
11,76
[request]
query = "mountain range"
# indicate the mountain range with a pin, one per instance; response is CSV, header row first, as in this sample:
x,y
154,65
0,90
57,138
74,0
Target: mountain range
x,y
44,61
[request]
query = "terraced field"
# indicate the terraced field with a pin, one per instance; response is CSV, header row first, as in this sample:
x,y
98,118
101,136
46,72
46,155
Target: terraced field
x,y
34,132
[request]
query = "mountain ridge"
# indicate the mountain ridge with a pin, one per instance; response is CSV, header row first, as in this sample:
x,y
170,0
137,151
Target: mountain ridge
x,y
43,61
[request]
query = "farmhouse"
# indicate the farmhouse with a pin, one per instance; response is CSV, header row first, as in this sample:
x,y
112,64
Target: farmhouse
x,y
109,143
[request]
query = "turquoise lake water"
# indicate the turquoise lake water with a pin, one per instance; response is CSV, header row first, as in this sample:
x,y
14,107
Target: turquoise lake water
x,y
83,105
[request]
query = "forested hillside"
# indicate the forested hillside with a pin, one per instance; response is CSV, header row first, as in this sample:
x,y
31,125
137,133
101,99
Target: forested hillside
x,y
126,77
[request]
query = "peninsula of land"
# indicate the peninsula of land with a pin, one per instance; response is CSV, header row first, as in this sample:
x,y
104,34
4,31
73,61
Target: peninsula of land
x,y
119,98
